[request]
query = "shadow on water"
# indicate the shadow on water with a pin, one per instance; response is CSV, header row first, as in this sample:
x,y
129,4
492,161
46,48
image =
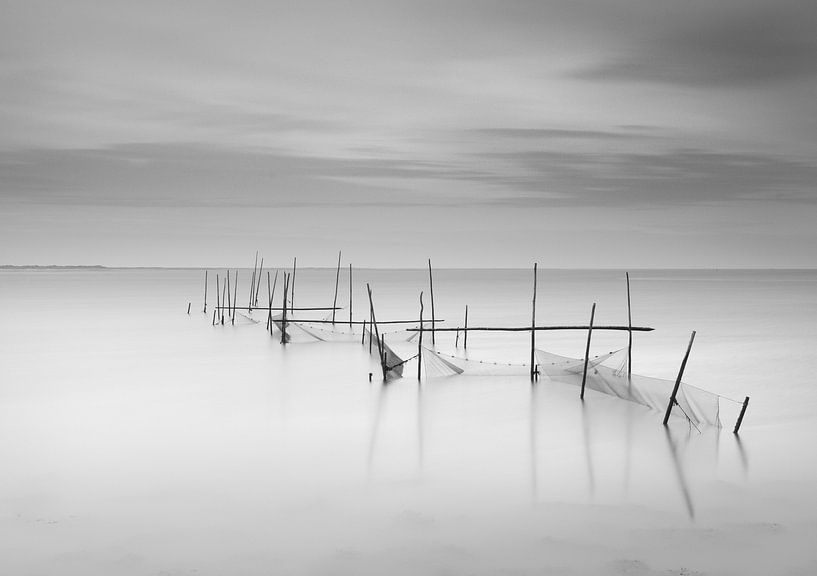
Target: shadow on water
x,y
591,477
532,422
378,414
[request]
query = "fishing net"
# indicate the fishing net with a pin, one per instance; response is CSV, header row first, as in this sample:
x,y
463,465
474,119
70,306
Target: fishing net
x,y
439,364
607,373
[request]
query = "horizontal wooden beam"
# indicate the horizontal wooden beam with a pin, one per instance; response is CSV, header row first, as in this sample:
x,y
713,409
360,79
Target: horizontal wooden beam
x,y
529,328
278,308
296,320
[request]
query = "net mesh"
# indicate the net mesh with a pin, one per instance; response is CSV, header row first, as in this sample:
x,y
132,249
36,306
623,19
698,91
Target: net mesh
x,y
439,364
607,373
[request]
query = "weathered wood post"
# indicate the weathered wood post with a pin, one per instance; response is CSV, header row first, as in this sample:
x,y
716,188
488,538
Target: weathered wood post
x,y
223,299
350,295
252,282
271,300
376,334
678,380
218,302
533,329
235,295
629,331
363,333
284,313
465,332
205,292
258,283
433,317
337,279
740,418
291,283
420,341
188,307
587,348
229,296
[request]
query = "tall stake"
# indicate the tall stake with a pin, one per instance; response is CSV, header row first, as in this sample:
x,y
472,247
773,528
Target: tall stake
x,y
291,283
258,284
223,294
376,334
420,340
433,317
205,291
218,302
672,401
252,282
269,299
350,295
272,299
284,314
630,331
533,328
587,349
337,279
465,339
229,297
235,294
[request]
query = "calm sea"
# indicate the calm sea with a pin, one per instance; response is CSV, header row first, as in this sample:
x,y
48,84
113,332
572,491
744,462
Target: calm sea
x,y
139,439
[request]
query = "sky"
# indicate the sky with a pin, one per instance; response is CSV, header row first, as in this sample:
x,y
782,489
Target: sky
x,y
478,133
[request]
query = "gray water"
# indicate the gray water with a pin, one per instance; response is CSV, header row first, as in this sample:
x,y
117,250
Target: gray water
x,y
138,439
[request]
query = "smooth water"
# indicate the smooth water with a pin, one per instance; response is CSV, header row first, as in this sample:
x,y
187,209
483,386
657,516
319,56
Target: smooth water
x,y
138,439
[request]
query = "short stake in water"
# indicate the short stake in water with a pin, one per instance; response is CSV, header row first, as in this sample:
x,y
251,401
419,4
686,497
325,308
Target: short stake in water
x,y
740,418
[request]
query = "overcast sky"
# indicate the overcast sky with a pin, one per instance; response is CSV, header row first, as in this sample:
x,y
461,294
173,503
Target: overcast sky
x,y
605,133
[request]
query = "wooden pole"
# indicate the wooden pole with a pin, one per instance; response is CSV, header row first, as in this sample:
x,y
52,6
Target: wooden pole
x,y
223,294
291,283
376,333
252,281
533,328
527,328
269,299
337,279
433,317
235,294
284,314
465,334
672,401
229,296
587,349
420,341
205,292
629,330
258,284
218,302
350,294
740,418
363,335
188,307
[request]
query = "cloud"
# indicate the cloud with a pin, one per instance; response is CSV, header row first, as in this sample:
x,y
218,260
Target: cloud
x,y
717,44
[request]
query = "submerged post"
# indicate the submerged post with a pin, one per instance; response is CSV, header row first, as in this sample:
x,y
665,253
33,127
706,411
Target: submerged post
x,y
465,330
205,292
337,279
533,328
629,330
291,283
587,349
380,343
433,317
258,283
284,313
420,340
678,380
235,294
218,302
740,418
229,297
188,307
252,282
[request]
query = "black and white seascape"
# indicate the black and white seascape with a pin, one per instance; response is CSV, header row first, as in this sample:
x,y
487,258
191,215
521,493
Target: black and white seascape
x,y
455,287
